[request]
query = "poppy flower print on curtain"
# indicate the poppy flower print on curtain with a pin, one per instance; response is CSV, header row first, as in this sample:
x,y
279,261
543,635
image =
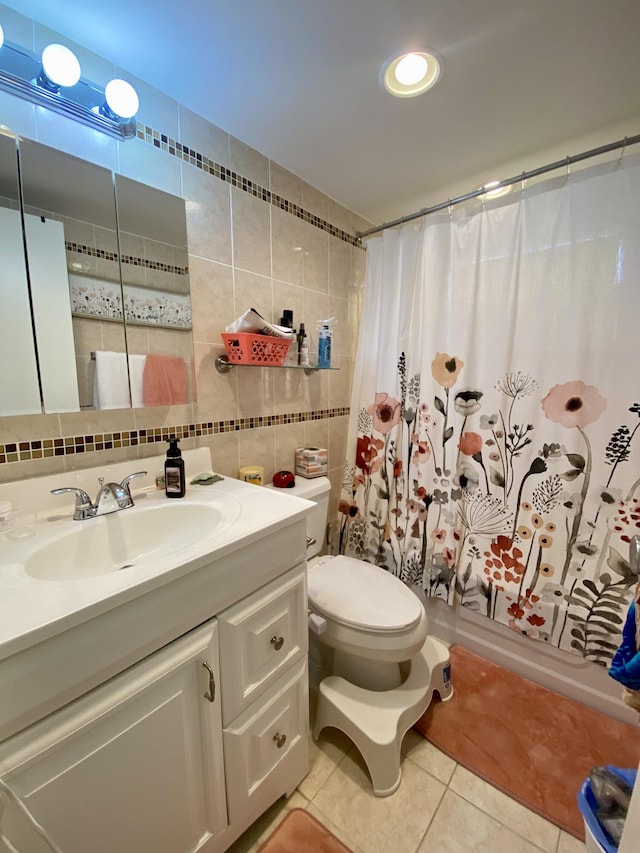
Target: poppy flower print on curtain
x,y
454,491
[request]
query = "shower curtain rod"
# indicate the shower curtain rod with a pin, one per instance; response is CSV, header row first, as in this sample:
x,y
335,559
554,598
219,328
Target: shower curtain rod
x,y
550,167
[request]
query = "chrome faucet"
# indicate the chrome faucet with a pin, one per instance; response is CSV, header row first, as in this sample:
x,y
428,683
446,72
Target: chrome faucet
x,y
112,497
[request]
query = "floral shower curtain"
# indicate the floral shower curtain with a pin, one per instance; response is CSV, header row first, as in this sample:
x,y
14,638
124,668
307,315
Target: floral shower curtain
x,y
493,452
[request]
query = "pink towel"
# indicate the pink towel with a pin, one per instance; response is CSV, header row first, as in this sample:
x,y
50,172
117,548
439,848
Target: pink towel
x,y
164,380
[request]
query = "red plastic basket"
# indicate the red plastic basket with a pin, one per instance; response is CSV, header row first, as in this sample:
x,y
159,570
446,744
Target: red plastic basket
x,y
245,348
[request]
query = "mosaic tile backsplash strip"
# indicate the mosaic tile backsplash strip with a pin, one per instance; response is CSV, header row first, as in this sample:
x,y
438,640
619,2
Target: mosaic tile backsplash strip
x,y
24,451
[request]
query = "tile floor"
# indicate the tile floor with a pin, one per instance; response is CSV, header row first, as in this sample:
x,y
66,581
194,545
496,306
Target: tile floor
x,y
439,807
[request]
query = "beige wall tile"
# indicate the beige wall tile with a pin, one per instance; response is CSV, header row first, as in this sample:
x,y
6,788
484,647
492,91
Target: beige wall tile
x,y
138,339
251,290
251,222
285,183
255,391
224,452
92,422
248,162
33,468
258,447
203,137
339,267
208,204
315,201
217,392
289,296
141,162
338,430
287,245
316,257
211,299
316,434
339,215
288,438
340,381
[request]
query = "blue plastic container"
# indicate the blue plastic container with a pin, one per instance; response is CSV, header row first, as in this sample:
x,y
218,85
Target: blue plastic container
x,y
588,807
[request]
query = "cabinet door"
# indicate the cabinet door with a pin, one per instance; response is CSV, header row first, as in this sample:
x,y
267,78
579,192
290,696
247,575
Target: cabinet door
x,y
134,766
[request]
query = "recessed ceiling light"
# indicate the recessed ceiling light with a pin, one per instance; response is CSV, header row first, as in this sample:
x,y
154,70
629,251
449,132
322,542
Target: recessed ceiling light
x,y
410,74
494,189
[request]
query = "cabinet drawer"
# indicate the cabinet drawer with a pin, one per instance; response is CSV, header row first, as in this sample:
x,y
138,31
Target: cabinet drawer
x,y
266,749
259,638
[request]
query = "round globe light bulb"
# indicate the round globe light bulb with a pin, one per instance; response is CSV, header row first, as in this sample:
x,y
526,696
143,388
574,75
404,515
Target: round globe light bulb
x,y
411,69
121,98
60,65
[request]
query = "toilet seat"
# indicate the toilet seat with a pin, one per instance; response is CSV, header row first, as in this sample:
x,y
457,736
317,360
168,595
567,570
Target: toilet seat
x,y
361,595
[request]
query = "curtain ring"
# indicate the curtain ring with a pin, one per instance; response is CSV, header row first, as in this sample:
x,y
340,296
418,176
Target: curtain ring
x,y
450,208
624,148
523,182
568,166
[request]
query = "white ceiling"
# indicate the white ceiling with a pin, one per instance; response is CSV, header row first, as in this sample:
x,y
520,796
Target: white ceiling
x,y
298,80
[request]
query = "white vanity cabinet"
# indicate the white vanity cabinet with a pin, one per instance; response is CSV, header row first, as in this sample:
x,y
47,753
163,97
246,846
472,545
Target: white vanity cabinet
x,y
143,762
164,708
135,765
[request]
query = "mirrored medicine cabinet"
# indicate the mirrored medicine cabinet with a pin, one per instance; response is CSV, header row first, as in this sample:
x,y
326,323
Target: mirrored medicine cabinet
x,y
93,265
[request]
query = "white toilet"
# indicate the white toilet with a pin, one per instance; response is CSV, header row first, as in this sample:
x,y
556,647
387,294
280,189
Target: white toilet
x,y
384,667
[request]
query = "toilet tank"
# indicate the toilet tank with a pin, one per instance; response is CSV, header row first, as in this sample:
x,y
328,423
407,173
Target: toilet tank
x,y
316,490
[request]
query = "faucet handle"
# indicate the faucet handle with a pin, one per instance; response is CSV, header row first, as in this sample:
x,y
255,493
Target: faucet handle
x,y
83,507
126,481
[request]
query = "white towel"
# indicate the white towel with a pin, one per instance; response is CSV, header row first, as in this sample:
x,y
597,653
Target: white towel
x,y
136,372
111,382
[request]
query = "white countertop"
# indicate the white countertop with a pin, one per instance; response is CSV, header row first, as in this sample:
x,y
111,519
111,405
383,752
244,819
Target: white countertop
x,y
33,610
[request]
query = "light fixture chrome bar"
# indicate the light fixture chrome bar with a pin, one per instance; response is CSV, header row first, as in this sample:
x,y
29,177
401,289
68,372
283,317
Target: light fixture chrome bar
x,y
523,176
83,102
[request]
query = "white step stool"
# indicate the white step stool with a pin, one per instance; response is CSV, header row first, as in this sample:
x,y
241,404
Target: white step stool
x,y
377,721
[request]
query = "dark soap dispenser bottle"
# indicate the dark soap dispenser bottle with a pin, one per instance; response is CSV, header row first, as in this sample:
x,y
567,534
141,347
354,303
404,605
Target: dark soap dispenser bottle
x,y
174,483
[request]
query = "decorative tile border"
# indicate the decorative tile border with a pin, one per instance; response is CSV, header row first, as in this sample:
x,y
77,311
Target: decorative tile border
x,y
194,158
24,451
80,249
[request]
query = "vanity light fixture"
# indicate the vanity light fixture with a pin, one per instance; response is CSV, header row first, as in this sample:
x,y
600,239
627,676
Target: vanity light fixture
x,y
60,67
406,75
53,81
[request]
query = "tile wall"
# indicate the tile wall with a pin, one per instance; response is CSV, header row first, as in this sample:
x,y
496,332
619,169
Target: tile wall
x,y
258,236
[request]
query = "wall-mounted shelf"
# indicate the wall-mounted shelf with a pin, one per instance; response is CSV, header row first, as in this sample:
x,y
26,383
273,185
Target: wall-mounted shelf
x,y
223,365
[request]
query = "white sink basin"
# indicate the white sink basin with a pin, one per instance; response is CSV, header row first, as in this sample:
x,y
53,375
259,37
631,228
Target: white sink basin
x,y
120,541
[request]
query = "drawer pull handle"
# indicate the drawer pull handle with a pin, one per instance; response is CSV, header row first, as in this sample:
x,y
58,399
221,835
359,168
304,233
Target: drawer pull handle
x,y
277,642
211,695
279,740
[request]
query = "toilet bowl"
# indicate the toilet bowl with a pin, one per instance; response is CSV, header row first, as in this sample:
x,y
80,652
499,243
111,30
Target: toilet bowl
x,y
384,668
371,620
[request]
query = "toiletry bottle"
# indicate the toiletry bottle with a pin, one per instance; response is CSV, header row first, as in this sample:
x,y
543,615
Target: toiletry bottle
x,y
174,481
303,347
291,358
324,347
